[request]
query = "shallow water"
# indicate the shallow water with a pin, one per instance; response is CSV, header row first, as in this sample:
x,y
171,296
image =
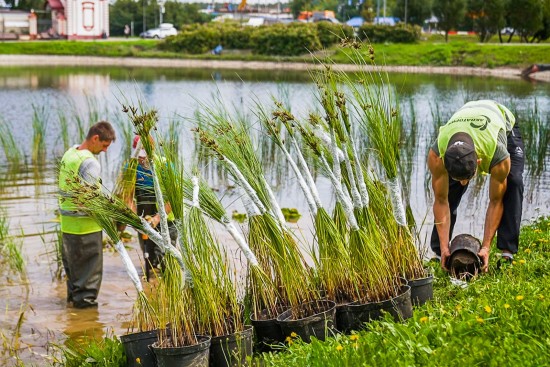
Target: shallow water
x,y
29,194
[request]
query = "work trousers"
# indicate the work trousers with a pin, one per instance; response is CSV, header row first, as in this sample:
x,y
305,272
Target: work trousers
x,y
82,257
508,229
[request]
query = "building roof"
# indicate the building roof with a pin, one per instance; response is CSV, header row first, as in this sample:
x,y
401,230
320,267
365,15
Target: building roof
x,y
55,4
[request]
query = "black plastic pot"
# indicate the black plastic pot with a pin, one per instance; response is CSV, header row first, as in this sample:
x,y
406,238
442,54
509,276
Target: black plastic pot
x,y
318,325
195,355
231,350
136,347
421,289
353,316
267,330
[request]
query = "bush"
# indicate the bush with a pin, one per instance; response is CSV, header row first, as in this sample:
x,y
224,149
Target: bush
x,y
380,33
193,40
286,40
234,35
331,33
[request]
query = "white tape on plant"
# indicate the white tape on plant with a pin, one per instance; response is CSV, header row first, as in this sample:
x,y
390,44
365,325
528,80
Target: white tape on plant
x,y
394,187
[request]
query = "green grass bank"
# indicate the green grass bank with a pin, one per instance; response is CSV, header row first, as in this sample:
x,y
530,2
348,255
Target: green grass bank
x,y
502,318
459,52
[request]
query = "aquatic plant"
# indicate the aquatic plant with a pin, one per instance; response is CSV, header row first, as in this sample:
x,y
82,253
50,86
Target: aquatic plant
x,y
12,151
40,120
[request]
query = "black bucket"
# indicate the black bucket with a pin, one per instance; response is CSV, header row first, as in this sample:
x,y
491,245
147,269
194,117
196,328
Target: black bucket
x,y
136,347
231,350
421,290
353,316
318,325
195,355
268,331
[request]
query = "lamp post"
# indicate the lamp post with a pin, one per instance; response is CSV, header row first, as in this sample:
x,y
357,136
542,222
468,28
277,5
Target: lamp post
x,y
161,10
144,21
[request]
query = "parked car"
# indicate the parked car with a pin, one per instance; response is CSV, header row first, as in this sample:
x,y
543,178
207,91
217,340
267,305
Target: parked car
x,y
163,31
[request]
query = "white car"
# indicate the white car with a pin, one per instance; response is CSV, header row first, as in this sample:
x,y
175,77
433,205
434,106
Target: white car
x,y
163,31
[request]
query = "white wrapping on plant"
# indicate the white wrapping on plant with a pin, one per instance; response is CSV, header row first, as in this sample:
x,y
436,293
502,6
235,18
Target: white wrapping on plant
x,y
325,139
129,265
195,181
241,243
394,187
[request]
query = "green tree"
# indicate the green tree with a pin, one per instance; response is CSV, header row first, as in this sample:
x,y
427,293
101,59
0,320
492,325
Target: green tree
x,y
450,14
544,33
124,12
487,17
181,14
368,11
296,6
525,17
416,11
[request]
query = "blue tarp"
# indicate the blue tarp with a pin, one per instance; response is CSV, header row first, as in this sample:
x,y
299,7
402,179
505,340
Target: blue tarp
x,y
355,22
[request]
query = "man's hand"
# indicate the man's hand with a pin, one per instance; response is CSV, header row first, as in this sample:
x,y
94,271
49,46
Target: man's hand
x,y
445,254
484,256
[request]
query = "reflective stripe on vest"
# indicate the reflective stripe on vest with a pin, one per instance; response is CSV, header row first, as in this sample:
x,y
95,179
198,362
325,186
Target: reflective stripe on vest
x,y
68,169
482,122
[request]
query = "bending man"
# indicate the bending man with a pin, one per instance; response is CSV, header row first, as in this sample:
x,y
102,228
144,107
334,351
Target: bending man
x,y
480,135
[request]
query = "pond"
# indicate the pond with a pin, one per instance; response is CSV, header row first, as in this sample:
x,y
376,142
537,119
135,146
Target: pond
x,y
38,100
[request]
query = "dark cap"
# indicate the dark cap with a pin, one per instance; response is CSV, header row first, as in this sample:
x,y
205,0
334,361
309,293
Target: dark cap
x,y
460,158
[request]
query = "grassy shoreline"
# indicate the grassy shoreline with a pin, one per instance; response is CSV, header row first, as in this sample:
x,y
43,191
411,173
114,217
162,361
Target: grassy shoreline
x,y
425,53
500,319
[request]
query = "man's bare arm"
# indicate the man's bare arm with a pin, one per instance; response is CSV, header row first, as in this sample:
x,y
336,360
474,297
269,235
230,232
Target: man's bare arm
x,y
497,189
442,213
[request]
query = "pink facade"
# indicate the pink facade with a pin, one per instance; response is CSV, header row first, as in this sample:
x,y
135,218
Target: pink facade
x,y
80,19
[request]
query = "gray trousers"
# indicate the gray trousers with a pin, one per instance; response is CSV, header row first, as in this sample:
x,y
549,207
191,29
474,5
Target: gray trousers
x,y
82,257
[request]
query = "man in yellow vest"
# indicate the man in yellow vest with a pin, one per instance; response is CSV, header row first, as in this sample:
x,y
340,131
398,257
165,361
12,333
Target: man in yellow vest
x,y
82,252
480,136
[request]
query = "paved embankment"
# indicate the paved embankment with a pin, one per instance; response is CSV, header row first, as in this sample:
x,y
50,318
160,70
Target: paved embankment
x,y
54,60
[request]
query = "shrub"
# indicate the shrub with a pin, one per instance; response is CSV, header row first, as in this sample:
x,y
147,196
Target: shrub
x,y
380,33
234,35
285,40
330,33
193,40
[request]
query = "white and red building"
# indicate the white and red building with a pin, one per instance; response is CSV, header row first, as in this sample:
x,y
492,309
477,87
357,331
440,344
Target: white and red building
x,y
79,19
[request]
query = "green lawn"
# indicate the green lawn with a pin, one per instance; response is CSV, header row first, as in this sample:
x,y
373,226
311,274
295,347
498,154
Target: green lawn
x,y
459,51
501,319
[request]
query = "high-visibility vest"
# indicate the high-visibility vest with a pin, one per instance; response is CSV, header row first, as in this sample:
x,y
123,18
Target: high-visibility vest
x,y
73,221
482,120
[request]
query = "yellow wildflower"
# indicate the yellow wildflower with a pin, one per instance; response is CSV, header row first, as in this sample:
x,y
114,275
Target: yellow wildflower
x,y
458,307
424,319
138,360
506,305
488,309
528,250
288,339
339,347
522,261
354,337
541,297
293,334
514,262
519,298
480,320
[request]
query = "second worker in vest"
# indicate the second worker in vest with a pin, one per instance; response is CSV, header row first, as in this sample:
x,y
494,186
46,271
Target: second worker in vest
x,y
482,136
146,205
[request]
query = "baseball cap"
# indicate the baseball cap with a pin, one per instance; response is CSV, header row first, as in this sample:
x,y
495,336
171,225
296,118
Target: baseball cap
x,y
460,158
135,142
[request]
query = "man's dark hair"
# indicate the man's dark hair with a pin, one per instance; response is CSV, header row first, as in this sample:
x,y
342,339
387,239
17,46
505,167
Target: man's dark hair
x,y
460,158
104,130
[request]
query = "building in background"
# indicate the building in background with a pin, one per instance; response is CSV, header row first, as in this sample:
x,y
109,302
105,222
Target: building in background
x,y
79,19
